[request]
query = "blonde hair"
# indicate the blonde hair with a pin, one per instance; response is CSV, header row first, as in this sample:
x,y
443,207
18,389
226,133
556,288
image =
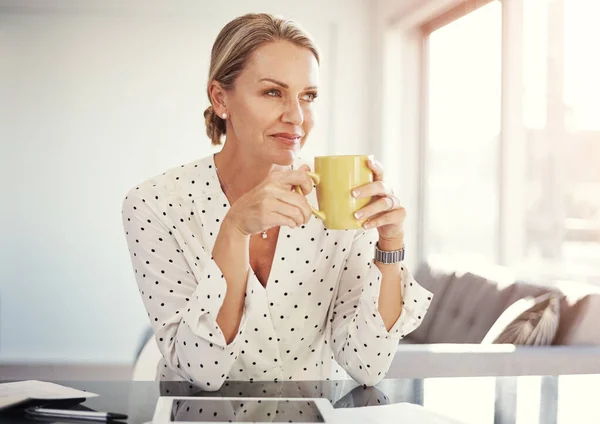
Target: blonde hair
x,y
233,47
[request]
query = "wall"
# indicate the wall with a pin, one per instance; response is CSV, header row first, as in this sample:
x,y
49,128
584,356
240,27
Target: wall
x,y
96,96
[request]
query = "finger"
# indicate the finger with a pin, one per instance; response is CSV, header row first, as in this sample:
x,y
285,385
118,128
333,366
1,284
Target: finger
x,y
290,210
276,194
395,216
300,178
307,186
376,188
281,220
377,169
374,208
294,199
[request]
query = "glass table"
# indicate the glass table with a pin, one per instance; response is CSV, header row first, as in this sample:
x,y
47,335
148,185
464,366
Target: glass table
x,y
560,399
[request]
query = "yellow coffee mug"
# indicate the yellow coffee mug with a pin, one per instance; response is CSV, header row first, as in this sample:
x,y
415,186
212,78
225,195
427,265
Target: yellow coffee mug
x,y
335,178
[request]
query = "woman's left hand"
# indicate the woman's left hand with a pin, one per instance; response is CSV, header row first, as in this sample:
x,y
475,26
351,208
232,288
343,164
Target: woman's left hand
x,y
384,212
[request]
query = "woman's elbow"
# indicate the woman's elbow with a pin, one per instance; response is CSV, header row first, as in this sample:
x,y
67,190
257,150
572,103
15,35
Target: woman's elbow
x,y
207,383
370,380
367,379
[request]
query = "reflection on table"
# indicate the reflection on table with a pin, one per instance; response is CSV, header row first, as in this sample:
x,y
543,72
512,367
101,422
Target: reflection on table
x,y
473,400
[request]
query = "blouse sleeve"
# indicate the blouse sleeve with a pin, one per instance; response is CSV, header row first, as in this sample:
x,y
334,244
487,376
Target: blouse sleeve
x,y
182,296
360,341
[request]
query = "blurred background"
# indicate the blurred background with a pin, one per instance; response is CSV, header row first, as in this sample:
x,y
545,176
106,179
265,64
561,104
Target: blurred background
x,y
484,113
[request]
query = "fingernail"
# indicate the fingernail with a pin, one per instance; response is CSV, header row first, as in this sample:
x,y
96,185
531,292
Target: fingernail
x,y
366,225
358,215
355,193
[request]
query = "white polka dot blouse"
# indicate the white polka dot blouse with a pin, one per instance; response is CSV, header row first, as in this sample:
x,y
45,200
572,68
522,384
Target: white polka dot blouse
x,y
317,317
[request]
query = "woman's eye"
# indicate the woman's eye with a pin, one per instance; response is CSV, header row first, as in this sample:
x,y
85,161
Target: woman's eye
x,y
310,97
273,93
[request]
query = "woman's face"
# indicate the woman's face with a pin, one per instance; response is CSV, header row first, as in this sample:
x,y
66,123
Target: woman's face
x,y
271,103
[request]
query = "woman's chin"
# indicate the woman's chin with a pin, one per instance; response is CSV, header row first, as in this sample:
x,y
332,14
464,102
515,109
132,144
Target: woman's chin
x,y
285,157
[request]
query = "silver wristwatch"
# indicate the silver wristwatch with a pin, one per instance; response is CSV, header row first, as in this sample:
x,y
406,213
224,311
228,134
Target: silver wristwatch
x,y
389,257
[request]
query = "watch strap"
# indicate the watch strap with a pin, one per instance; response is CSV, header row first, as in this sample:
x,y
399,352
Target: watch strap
x,y
389,257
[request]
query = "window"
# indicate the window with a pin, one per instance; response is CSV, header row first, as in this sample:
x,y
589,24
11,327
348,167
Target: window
x,y
561,123
553,177
463,126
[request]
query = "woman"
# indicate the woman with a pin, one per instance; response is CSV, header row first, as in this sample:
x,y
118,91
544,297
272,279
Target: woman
x,y
239,280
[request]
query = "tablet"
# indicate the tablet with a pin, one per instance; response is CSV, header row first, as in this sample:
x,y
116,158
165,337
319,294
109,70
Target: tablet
x,y
188,410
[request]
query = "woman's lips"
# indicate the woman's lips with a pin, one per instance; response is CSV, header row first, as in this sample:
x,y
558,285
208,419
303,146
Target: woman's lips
x,y
287,138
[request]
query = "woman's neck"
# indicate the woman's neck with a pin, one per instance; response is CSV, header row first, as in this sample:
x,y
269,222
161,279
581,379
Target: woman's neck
x,y
240,172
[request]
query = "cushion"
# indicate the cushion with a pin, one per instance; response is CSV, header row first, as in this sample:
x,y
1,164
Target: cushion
x,y
579,325
523,289
528,321
435,278
471,303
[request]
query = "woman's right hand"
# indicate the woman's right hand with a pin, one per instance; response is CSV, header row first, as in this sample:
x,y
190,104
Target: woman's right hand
x,y
273,203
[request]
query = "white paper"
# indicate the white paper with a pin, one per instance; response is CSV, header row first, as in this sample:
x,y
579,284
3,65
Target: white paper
x,y
33,389
7,401
393,414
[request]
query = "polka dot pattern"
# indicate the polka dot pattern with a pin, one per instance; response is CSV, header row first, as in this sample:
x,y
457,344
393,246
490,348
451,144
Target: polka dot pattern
x,y
245,410
317,318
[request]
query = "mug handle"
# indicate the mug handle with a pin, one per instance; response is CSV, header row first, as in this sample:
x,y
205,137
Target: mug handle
x,y
316,179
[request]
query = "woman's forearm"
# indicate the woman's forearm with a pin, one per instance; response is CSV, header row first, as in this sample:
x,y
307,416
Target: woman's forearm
x,y
390,294
232,254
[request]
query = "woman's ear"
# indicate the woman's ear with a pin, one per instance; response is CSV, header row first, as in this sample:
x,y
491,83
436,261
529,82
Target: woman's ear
x,y
217,97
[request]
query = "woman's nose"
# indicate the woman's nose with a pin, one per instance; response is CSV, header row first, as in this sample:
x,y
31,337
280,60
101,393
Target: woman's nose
x,y
293,113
